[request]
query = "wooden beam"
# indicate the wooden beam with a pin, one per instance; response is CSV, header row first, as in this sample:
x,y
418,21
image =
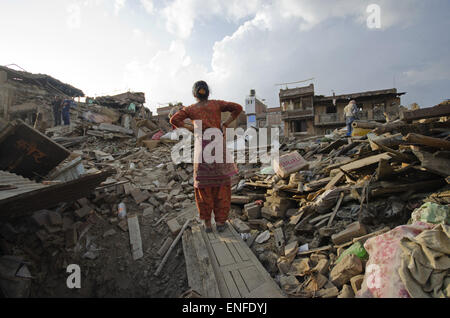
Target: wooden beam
x,y
334,181
433,163
425,186
336,208
394,153
201,277
135,237
366,124
428,141
365,162
163,262
429,112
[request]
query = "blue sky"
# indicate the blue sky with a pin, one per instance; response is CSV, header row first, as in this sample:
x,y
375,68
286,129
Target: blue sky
x,y
163,47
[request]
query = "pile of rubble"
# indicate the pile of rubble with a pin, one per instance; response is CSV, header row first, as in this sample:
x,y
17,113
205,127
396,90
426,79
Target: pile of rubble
x,y
110,199
328,199
114,227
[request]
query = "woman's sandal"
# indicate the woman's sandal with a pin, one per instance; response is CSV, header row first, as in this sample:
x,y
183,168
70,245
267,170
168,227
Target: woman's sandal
x,y
220,228
208,229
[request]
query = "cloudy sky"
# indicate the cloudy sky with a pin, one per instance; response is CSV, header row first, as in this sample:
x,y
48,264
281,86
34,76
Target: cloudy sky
x,y
162,47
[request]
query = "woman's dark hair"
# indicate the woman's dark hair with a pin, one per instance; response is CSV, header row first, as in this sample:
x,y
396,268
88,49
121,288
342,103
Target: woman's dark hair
x,y
200,90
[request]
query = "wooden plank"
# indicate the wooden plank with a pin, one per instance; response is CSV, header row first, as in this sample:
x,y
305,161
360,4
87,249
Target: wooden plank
x,y
164,260
163,249
425,186
223,289
192,263
240,284
397,155
233,251
321,217
222,253
428,141
231,285
269,289
240,199
252,277
236,266
135,237
365,162
321,222
240,251
314,250
356,165
211,235
336,208
209,282
334,181
229,255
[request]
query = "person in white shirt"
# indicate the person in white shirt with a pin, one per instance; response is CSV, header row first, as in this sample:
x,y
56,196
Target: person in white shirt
x,y
350,112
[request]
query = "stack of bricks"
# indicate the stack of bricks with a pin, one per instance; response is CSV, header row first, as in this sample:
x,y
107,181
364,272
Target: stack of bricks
x,y
252,211
276,205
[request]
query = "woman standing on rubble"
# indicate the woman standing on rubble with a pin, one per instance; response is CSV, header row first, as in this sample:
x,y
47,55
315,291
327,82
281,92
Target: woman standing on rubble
x,y
212,181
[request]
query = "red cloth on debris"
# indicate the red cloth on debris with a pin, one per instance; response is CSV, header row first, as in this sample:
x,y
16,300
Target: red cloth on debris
x,y
158,135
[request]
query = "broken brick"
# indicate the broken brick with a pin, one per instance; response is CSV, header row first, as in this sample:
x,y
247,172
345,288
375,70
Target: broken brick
x,y
349,266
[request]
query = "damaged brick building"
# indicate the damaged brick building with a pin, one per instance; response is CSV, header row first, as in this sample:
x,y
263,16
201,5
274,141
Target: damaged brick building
x,y
23,95
304,113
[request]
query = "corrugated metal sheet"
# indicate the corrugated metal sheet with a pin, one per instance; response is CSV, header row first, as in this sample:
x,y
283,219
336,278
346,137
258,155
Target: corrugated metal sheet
x,y
47,196
22,184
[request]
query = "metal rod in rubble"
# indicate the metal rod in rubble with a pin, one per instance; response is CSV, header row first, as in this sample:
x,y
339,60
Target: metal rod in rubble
x,y
160,267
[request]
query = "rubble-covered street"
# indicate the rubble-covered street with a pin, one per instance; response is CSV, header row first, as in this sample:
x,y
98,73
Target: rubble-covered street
x,y
316,220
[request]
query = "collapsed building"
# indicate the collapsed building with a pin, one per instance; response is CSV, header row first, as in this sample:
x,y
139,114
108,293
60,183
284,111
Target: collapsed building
x,y
23,95
305,113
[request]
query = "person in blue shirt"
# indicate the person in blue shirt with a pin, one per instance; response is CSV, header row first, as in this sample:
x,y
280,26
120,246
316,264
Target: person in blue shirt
x,y
67,103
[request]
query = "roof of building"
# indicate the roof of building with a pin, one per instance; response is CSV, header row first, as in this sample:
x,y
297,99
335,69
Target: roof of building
x,y
359,95
274,109
47,82
298,91
164,110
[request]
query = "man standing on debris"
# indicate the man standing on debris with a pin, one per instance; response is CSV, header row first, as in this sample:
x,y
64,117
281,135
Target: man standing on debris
x,y
212,181
350,112
66,111
56,105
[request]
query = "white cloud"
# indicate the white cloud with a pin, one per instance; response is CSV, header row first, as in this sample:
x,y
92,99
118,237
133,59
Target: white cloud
x,y
181,15
137,33
262,50
167,77
118,5
148,6
74,18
